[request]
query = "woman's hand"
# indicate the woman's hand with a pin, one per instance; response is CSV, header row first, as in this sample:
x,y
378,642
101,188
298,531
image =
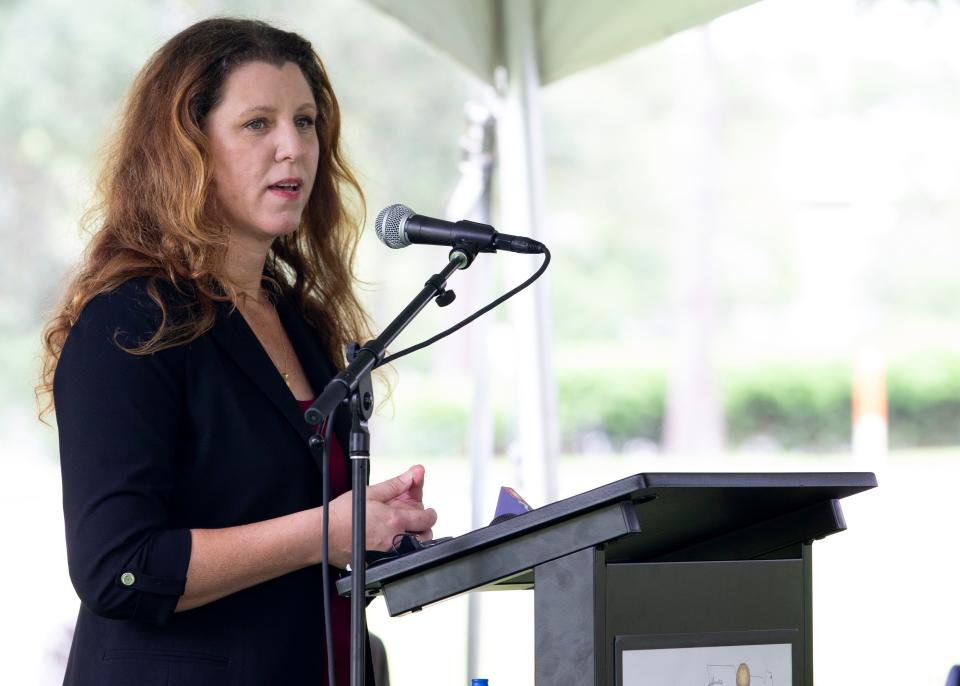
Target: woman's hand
x,y
394,506
224,561
412,495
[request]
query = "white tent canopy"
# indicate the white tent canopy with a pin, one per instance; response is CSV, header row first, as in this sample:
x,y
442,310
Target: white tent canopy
x,y
569,35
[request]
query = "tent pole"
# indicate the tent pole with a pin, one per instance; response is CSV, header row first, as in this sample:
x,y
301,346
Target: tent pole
x,y
471,200
520,165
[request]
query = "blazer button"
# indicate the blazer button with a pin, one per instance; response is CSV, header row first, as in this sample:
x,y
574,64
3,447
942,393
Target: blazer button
x,y
127,578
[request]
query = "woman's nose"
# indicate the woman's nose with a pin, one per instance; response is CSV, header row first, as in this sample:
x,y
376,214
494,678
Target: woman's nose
x,y
289,142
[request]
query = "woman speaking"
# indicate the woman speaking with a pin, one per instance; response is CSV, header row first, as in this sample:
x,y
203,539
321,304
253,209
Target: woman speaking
x,y
211,307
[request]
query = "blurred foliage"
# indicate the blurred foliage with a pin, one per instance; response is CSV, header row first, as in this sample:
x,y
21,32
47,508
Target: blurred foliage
x,y
924,402
789,405
438,426
621,404
18,360
769,406
783,405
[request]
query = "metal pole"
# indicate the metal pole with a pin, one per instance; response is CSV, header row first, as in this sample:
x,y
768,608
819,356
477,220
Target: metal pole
x,y
471,200
521,171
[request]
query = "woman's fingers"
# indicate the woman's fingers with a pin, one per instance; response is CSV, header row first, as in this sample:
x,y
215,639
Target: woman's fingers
x,y
418,520
391,488
385,523
425,535
415,493
405,489
394,507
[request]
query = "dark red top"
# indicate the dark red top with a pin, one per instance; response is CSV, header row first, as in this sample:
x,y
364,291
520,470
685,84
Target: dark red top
x,y
339,606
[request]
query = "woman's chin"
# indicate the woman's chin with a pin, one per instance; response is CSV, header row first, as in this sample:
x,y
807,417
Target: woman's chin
x,y
274,228
282,225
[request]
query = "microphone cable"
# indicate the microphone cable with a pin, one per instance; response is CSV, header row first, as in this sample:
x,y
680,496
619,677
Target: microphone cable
x,y
325,459
325,551
479,313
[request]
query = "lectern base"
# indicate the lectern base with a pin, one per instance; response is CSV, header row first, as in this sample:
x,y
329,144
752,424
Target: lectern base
x,y
590,613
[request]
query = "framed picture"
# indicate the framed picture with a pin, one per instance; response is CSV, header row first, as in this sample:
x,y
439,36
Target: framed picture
x,y
728,658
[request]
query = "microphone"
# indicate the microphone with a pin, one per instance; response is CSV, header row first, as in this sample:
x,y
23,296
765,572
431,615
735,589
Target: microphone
x,y
398,227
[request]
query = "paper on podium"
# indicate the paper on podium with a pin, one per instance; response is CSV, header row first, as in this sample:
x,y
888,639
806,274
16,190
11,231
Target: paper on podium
x,y
509,505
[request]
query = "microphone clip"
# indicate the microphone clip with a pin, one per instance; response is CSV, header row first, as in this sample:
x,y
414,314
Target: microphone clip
x,y
444,295
445,298
464,252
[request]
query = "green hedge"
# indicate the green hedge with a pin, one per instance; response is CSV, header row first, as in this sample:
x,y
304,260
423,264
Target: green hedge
x,y
924,400
623,404
793,405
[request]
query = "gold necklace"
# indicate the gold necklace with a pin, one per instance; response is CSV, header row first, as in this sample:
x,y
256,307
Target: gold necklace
x,y
284,369
281,367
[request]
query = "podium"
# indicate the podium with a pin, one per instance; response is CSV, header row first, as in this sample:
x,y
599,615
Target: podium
x,y
682,576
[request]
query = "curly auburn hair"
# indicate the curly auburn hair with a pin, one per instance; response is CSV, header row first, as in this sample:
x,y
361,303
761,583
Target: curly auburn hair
x,y
155,216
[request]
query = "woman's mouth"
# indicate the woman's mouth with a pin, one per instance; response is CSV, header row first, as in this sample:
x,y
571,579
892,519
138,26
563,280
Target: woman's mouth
x,y
287,188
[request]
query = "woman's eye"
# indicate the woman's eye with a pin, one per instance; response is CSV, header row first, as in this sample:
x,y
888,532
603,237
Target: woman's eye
x,y
304,122
256,125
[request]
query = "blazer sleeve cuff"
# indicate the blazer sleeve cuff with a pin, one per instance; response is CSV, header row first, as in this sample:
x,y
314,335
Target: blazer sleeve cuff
x,y
158,575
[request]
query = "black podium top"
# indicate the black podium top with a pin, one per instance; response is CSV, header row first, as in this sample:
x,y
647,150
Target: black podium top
x,y
645,517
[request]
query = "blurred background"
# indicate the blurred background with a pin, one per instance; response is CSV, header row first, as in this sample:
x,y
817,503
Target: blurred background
x,y
755,228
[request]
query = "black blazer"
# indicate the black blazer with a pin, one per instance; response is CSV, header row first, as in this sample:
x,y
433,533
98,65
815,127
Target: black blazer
x,y
202,435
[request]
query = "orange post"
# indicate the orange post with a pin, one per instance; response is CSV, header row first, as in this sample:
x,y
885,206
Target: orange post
x,y
869,399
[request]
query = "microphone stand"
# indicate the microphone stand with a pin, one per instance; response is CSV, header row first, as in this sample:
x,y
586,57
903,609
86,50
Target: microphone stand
x,y
354,383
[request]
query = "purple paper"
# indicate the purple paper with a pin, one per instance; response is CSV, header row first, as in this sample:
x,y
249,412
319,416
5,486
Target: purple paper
x,y
510,503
